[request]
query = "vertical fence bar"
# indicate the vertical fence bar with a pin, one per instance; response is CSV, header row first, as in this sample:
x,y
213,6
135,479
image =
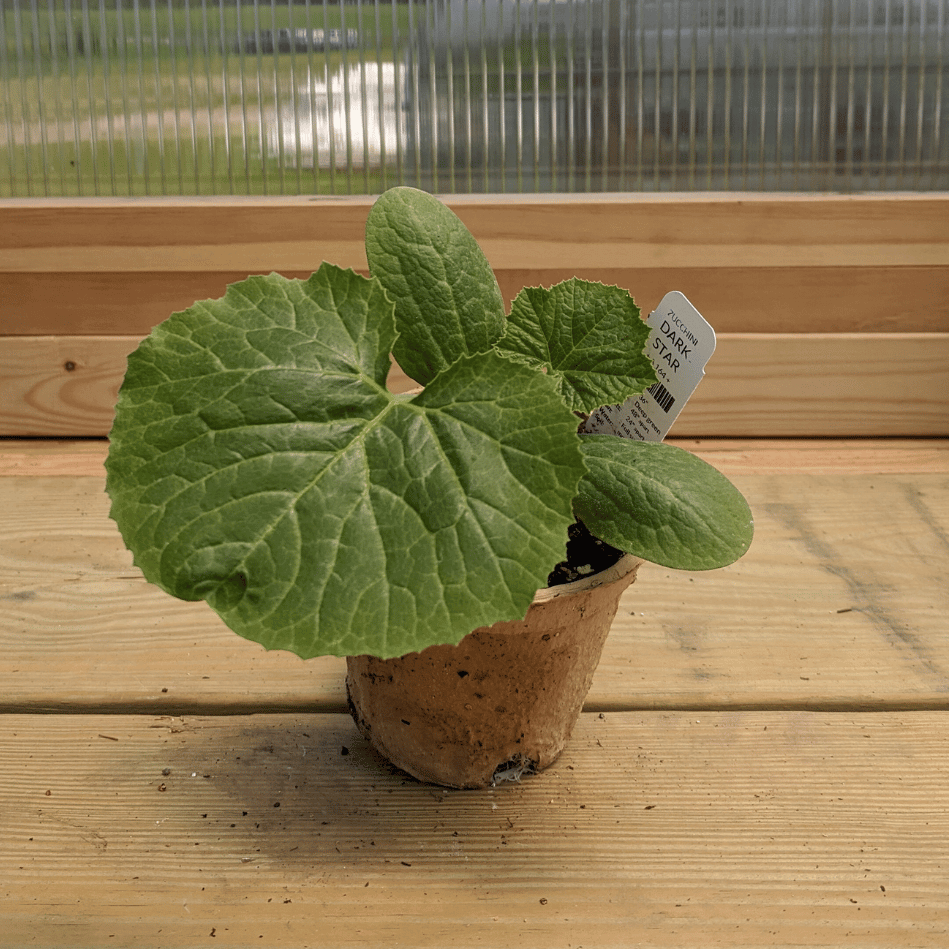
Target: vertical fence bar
x,y
225,50
904,82
693,96
207,47
798,107
606,66
175,98
588,99
363,114
674,124
53,38
145,111
535,98
159,96
304,108
849,155
22,77
618,43
380,99
942,42
125,115
449,95
501,171
399,80
242,74
288,116
571,94
192,100
553,65
41,109
885,105
142,110
414,86
745,96
468,105
91,91
6,97
71,58
780,13
710,122
763,93
862,109
815,50
518,96
656,80
104,44
485,89
920,97
432,116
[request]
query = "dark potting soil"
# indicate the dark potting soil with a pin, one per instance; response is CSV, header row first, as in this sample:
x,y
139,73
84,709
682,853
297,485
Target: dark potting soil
x,y
586,555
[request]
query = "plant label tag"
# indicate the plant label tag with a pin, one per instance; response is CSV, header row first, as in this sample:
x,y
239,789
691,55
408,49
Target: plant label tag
x,y
680,343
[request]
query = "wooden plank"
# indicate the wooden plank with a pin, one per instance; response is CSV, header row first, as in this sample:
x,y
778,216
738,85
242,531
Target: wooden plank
x,y
825,456
653,830
819,385
60,385
840,603
780,299
59,457
85,457
758,385
104,302
67,386
734,299
527,232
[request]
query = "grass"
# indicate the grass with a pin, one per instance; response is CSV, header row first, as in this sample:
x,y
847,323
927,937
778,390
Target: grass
x,y
46,32
158,101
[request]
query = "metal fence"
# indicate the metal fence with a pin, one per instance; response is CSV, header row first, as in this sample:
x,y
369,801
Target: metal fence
x,y
134,97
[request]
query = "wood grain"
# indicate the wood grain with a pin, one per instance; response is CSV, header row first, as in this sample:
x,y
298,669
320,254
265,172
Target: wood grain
x,y
527,232
751,263
818,385
757,385
840,603
653,830
734,299
85,457
67,386
778,299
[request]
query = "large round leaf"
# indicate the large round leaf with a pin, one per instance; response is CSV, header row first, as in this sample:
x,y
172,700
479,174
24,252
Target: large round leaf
x,y
258,462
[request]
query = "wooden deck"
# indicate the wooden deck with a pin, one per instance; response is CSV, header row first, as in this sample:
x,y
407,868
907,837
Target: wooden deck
x,y
763,759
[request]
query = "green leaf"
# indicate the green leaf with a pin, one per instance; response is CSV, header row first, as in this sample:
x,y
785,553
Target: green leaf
x,y
258,462
662,503
447,299
587,336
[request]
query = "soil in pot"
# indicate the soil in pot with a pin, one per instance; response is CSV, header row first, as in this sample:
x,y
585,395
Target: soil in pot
x,y
586,556
501,703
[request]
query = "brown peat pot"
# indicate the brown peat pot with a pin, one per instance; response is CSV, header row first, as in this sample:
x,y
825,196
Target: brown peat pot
x,y
500,704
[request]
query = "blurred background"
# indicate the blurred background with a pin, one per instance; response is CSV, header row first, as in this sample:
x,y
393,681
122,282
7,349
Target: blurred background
x,y
200,97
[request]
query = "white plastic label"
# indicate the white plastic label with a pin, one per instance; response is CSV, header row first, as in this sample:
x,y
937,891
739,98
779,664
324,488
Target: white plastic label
x,y
680,344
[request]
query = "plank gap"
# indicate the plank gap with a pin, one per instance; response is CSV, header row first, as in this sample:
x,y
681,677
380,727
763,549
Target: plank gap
x,y
598,707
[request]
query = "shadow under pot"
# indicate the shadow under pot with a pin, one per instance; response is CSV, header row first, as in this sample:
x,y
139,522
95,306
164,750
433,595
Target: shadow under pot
x,y
500,704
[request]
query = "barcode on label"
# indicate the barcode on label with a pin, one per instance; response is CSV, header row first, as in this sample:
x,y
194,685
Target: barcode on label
x,y
662,396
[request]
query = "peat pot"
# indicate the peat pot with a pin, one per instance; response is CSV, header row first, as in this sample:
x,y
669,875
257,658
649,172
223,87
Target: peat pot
x,y
500,704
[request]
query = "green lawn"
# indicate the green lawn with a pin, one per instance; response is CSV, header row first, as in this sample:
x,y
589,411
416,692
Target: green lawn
x,y
117,103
